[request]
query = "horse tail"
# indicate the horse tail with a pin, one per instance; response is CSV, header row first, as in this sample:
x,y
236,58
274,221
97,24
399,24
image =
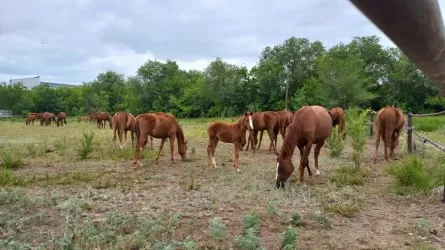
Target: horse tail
x,y
137,132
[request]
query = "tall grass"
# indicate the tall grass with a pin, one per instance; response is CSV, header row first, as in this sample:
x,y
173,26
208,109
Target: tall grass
x,y
335,144
415,175
356,129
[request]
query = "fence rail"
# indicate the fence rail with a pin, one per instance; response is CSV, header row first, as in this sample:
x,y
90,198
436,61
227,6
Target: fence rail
x,y
410,130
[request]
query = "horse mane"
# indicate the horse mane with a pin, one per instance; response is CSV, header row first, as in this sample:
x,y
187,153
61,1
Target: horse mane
x,y
179,135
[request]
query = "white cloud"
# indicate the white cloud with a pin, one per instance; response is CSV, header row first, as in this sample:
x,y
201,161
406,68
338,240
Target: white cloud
x,y
83,38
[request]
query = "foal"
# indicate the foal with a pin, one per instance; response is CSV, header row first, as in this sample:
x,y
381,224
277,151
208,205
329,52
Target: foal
x,y
229,133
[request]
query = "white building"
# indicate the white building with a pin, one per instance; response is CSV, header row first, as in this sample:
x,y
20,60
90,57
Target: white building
x,y
31,82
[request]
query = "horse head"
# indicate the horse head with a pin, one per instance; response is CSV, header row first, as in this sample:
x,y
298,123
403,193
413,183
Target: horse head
x,y
284,170
248,120
182,150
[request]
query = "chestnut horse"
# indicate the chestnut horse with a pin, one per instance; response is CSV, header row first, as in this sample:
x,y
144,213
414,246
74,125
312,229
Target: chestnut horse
x,y
338,118
123,122
61,119
161,127
389,123
285,120
229,133
102,118
30,118
310,125
267,120
45,119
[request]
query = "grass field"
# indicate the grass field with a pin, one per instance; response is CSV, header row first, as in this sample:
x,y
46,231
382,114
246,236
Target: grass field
x,y
50,198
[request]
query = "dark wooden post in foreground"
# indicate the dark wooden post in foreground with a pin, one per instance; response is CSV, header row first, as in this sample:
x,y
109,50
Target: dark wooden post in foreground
x,y
371,125
410,132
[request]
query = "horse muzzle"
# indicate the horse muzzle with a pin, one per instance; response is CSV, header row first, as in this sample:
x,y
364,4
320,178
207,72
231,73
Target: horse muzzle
x,y
280,184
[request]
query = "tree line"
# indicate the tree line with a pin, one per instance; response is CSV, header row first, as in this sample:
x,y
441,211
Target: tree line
x,y
361,73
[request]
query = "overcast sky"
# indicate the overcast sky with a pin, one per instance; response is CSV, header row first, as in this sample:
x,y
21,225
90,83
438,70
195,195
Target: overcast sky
x,y
71,41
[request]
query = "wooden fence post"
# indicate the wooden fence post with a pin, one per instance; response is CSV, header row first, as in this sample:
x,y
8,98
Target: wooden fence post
x,y
371,125
410,132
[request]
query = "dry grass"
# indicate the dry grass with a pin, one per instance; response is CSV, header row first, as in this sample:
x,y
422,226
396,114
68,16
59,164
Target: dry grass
x,y
100,201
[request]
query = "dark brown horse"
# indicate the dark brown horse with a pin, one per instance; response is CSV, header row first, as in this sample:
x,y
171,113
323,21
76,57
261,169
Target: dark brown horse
x,y
61,119
267,120
229,133
45,119
389,122
161,127
122,123
338,118
310,125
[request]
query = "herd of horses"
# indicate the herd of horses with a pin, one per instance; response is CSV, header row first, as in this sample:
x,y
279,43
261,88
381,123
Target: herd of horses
x,y
46,118
308,126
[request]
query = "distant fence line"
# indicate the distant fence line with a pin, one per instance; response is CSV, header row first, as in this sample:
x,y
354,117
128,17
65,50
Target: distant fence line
x,y
5,113
410,130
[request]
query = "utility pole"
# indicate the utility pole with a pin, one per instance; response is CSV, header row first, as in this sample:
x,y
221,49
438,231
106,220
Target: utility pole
x,y
287,86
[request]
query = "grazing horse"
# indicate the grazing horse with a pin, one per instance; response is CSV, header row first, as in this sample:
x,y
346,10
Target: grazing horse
x,y
102,118
285,120
267,120
229,133
389,123
338,118
45,119
30,118
310,125
61,119
161,127
123,122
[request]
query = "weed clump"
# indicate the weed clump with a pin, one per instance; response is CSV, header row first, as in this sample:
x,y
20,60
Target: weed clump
x,y
335,144
86,146
356,127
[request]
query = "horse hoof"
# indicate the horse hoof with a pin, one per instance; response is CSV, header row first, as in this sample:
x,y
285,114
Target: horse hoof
x,y
238,170
317,172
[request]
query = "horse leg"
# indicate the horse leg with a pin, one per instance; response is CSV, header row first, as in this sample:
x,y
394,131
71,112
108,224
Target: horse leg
x,y
160,149
114,137
387,143
211,148
304,159
396,145
151,142
316,154
377,143
172,146
306,163
237,145
272,138
261,138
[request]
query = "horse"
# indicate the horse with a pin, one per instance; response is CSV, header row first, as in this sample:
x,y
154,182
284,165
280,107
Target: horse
x,y
389,123
159,113
229,133
53,118
161,127
30,118
310,125
267,120
285,120
45,119
123,122
61,119
102,118
338,118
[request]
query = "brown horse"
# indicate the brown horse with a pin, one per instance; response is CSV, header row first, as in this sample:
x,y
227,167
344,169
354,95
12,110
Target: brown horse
x,y
310,125
285,121
45,119
123,122
338,118
389,123
61,119
267,120
161,127
30,118
229,133
102,118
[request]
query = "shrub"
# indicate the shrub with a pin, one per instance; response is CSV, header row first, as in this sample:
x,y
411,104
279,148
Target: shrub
x,y
356,126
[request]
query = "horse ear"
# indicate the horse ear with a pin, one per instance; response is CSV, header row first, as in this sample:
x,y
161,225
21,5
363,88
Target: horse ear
x,y
330,114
